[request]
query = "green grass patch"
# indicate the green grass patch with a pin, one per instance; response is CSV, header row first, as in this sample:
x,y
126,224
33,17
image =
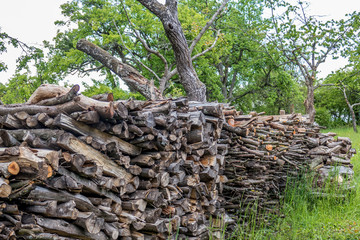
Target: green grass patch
x,y
305,216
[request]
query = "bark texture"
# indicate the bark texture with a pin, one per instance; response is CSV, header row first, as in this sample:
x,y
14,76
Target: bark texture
x,y
127,73
168,15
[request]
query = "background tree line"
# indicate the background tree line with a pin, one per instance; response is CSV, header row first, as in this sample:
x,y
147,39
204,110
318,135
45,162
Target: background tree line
x,y
256,55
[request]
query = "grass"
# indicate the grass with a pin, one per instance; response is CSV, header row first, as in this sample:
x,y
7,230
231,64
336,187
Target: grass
x,y
304,216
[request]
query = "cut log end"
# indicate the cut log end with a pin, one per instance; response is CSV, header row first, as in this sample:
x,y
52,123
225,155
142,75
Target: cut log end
x,y
13,168
50,171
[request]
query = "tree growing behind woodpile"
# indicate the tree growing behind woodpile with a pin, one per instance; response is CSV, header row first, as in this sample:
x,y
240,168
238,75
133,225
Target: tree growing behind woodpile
x,y
229,57
120,19
307,41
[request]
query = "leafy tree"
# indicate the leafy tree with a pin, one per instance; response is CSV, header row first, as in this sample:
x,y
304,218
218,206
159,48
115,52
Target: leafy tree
x,y
307,42
32,70
342,95
127,31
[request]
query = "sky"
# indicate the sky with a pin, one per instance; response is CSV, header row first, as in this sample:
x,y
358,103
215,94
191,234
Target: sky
x,y
33,21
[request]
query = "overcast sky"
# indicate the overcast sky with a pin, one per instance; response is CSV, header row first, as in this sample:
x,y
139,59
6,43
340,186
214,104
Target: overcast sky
x,y
32,21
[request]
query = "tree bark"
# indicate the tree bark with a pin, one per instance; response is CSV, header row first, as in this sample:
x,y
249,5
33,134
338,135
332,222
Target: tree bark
x,y
168,15
127,73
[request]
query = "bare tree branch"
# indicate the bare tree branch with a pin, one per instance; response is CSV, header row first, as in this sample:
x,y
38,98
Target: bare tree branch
x,y
127,73
146,46
208,49
324,85
140,62
207,25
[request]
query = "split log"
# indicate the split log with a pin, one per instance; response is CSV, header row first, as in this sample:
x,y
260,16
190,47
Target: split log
x,y
71,143
82,129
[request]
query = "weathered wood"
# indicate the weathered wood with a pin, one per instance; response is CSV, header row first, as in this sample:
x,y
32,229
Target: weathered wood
x,y
8,169
90,185
90,222
60,99
29,163
89,117
71,143
82,129
5,188
82,203
52,209
66,229
10,121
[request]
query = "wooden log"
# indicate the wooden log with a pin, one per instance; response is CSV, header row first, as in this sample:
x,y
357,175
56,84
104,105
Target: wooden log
x,y
135,129
71,143
82,202
152,215
7,169
7,139
30,164
51,209
134,205
32,122
212,109
239,131
82,129
10,121
89,222
88,117
89,185
66,229
111,231
134,169
121,110
159,226
65,183
143,160
147,173
22,116
5,188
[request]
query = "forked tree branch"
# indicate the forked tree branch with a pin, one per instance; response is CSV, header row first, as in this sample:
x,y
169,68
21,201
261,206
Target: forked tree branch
x,y
141,63
207,25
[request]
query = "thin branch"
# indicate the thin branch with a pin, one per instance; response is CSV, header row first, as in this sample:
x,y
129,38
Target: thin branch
x,y
142,64
208,49
207,25
93,69
324,85
146,46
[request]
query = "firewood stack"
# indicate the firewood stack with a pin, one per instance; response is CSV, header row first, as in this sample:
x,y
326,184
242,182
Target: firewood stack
x,y
265,150
79,168
74,167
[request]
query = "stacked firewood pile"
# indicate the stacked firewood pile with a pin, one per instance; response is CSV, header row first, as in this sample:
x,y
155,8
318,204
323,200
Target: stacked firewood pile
x,y
73,167
265,150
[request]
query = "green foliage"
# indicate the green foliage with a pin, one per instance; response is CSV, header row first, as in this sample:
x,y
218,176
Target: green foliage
x,y
18,89
332,98
99,88
323,117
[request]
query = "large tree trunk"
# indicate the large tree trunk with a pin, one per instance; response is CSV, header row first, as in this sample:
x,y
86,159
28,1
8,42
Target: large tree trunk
x,y
127,73
168,15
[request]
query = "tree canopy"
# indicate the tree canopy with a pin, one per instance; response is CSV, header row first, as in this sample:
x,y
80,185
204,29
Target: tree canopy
x,y
242,54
